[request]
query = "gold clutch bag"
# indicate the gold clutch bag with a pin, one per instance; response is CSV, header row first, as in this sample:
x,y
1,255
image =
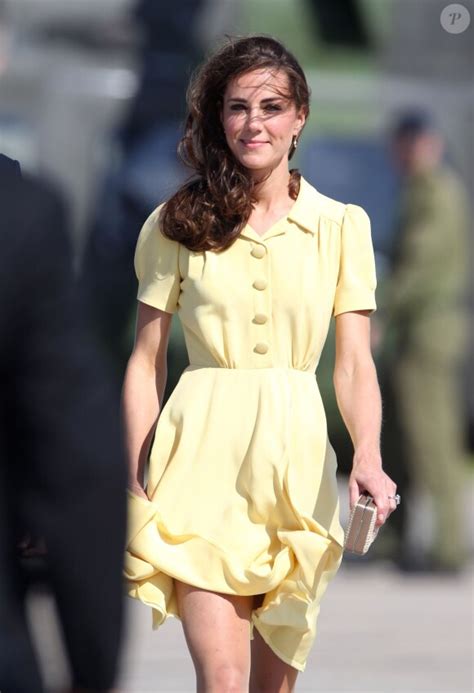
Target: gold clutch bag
x,y
361,530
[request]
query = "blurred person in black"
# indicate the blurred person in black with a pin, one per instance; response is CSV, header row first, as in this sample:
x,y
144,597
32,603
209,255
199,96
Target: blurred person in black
x,y
341,23
62,471
149,170
425,340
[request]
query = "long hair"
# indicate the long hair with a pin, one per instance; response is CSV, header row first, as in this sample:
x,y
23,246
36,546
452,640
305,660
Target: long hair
x,y
209,211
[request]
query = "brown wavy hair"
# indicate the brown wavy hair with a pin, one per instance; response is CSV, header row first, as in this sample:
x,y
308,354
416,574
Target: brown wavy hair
x,y
210,210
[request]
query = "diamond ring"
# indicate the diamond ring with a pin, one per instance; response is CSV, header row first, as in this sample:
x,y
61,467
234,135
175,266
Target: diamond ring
x,y
396,498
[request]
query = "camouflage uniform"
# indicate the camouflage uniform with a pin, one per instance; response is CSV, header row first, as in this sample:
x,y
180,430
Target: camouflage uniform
x,y
425,304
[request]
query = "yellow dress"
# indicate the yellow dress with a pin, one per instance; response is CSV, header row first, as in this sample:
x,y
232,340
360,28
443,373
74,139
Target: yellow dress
x,y
242,479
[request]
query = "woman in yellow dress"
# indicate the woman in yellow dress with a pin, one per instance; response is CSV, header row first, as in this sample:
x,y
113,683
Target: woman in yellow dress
x,y
237,531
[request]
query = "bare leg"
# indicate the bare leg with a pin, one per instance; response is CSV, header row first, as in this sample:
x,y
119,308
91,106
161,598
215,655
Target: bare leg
x,y
269,674
217,631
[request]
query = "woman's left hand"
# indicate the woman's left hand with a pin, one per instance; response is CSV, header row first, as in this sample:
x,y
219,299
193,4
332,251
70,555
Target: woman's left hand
x,y
367,475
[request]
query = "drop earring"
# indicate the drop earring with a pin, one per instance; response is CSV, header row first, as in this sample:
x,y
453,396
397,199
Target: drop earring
x,y
294,142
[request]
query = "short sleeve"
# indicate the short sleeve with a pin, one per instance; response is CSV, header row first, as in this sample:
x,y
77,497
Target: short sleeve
x,y
356,283
157,266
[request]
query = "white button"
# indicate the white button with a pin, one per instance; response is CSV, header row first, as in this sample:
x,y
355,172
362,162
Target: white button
x,y
261,348
260,318
260,284
258,251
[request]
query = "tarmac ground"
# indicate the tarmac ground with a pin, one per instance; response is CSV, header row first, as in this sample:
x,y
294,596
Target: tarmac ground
x,y
379,631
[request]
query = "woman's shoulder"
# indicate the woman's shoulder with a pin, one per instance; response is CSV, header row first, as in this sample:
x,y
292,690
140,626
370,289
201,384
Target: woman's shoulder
x,y
154,216
332,209
153,223
152,233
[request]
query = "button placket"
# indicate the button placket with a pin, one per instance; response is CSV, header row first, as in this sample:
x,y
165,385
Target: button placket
x,y
260,284
258,251
260,318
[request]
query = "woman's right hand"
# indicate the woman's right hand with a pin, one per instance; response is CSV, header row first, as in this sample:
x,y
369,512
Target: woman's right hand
x,y
143,391
137,490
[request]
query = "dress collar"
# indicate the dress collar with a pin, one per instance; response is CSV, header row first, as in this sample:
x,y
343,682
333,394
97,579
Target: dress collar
x,y
304,212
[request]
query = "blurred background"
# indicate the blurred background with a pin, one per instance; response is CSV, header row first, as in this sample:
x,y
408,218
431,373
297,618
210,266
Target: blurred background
x,y
92,97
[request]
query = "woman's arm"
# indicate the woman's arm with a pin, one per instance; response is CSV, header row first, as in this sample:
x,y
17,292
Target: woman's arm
x,y
143,389
359,401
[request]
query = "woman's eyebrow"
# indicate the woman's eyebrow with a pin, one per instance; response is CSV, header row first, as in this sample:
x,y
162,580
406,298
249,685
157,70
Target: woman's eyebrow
x,y
266,100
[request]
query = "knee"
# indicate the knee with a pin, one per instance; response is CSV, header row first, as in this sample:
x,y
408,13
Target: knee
x,y
226,678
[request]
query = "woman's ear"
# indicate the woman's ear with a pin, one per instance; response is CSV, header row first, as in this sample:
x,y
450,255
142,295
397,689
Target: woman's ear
x,y
301,120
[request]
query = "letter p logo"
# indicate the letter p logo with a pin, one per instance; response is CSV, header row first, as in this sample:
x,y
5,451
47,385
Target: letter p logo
x,y
455,18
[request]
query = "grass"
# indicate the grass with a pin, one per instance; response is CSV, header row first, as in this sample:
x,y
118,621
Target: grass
x,y
294,23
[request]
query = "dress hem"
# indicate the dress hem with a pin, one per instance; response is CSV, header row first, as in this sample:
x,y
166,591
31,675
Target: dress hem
x,y
293,663
164,616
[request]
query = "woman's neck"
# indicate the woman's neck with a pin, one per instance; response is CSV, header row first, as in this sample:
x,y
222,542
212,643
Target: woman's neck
x,y
272,190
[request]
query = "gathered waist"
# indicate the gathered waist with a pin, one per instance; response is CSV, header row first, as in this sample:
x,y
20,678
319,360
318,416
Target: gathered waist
x,y
264,371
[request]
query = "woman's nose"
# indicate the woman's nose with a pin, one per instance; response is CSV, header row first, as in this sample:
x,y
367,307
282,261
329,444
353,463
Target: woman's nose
x,y
254,118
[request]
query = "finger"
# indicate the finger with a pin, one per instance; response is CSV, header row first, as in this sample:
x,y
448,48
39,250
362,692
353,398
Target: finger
x,y
393,504
380,518
383,508
392,493
354,494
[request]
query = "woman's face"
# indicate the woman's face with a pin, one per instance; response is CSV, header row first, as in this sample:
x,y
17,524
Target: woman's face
x,y
260,120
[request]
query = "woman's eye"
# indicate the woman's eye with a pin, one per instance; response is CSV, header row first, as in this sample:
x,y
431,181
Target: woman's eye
x,y
267,108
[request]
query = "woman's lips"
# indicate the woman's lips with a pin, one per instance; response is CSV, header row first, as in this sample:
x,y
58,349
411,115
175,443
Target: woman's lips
x,y
253,144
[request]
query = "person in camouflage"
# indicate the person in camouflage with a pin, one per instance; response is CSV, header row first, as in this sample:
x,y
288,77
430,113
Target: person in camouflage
x,y
426,310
